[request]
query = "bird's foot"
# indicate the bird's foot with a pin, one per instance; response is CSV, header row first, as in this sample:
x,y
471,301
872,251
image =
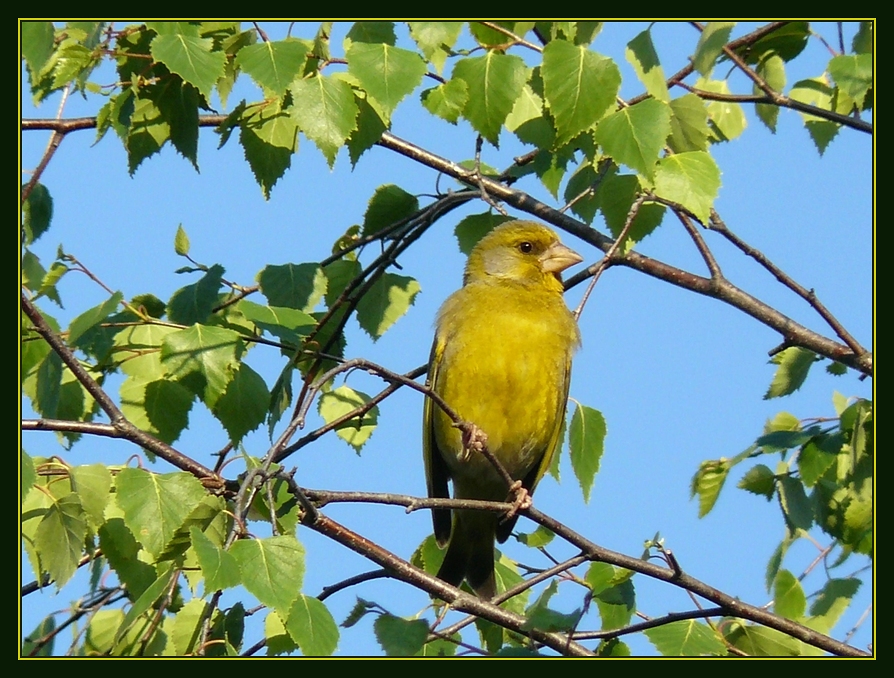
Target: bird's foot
x,y
473,438
521,501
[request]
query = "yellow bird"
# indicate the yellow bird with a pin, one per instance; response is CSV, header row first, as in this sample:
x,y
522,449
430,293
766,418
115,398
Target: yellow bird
x,y
502,360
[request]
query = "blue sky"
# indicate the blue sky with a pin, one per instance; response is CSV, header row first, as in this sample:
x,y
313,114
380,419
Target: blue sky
x,y
678,377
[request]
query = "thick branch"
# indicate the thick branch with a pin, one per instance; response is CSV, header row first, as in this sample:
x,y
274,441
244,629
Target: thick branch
x,y
459,600
119,422
731,606
794,333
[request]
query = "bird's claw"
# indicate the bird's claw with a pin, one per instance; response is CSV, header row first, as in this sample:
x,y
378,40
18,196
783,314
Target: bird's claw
x,y
473,438
521,501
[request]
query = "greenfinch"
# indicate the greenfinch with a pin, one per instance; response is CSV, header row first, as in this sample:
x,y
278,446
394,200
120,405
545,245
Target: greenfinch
x,y
501,359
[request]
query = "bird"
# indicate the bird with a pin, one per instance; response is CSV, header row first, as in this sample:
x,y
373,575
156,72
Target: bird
x,y
501,359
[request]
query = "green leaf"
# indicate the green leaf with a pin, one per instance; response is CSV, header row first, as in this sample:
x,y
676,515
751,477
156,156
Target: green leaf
x,y
325,111
710,45
586,436
788,41
447,100
269,161
385,302
389,205
707,483
813,462
794,364
816,92
42,632
539,537
278,639
27,475
474,227
370,127
727,118
158,407
400,637
60,537
642,56
243,406
759,480
435,39
689,638
387,73
272,569
616,196
288,324
92,484
194,303
191,58
494,82
37,212
92,317
121,549
339,402
187,625
138,349
834,598
311,626
690,179
796,507
147,599
148,132
772,70
689,124
853,74
340,274
298,286
275,64
616,605
155,506
37,46
219,567
635,135
789,599
181,241
580,87
370,32
862,43
203,359
760,641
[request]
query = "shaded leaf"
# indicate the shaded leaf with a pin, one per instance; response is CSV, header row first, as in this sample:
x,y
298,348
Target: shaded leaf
x,y
385,302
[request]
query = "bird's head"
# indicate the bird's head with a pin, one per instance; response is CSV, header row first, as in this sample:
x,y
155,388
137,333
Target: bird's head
x,y
521,251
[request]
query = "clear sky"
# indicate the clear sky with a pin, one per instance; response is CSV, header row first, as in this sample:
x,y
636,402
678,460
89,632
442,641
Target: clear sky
x,y
678,377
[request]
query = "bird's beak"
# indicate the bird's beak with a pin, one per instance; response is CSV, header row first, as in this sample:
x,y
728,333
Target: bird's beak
x,y
558,257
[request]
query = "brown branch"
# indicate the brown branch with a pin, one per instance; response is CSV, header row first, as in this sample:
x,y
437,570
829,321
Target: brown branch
x,y
118,421
717,224
793,332
459,600
730,605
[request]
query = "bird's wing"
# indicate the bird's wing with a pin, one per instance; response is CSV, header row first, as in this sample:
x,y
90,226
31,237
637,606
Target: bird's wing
x,y
436,473
529,482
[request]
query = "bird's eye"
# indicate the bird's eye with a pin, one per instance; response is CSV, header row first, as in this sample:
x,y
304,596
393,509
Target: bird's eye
x,y
525,247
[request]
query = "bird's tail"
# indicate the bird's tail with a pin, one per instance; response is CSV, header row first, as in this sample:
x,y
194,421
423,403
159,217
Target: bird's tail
x,y
470,554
